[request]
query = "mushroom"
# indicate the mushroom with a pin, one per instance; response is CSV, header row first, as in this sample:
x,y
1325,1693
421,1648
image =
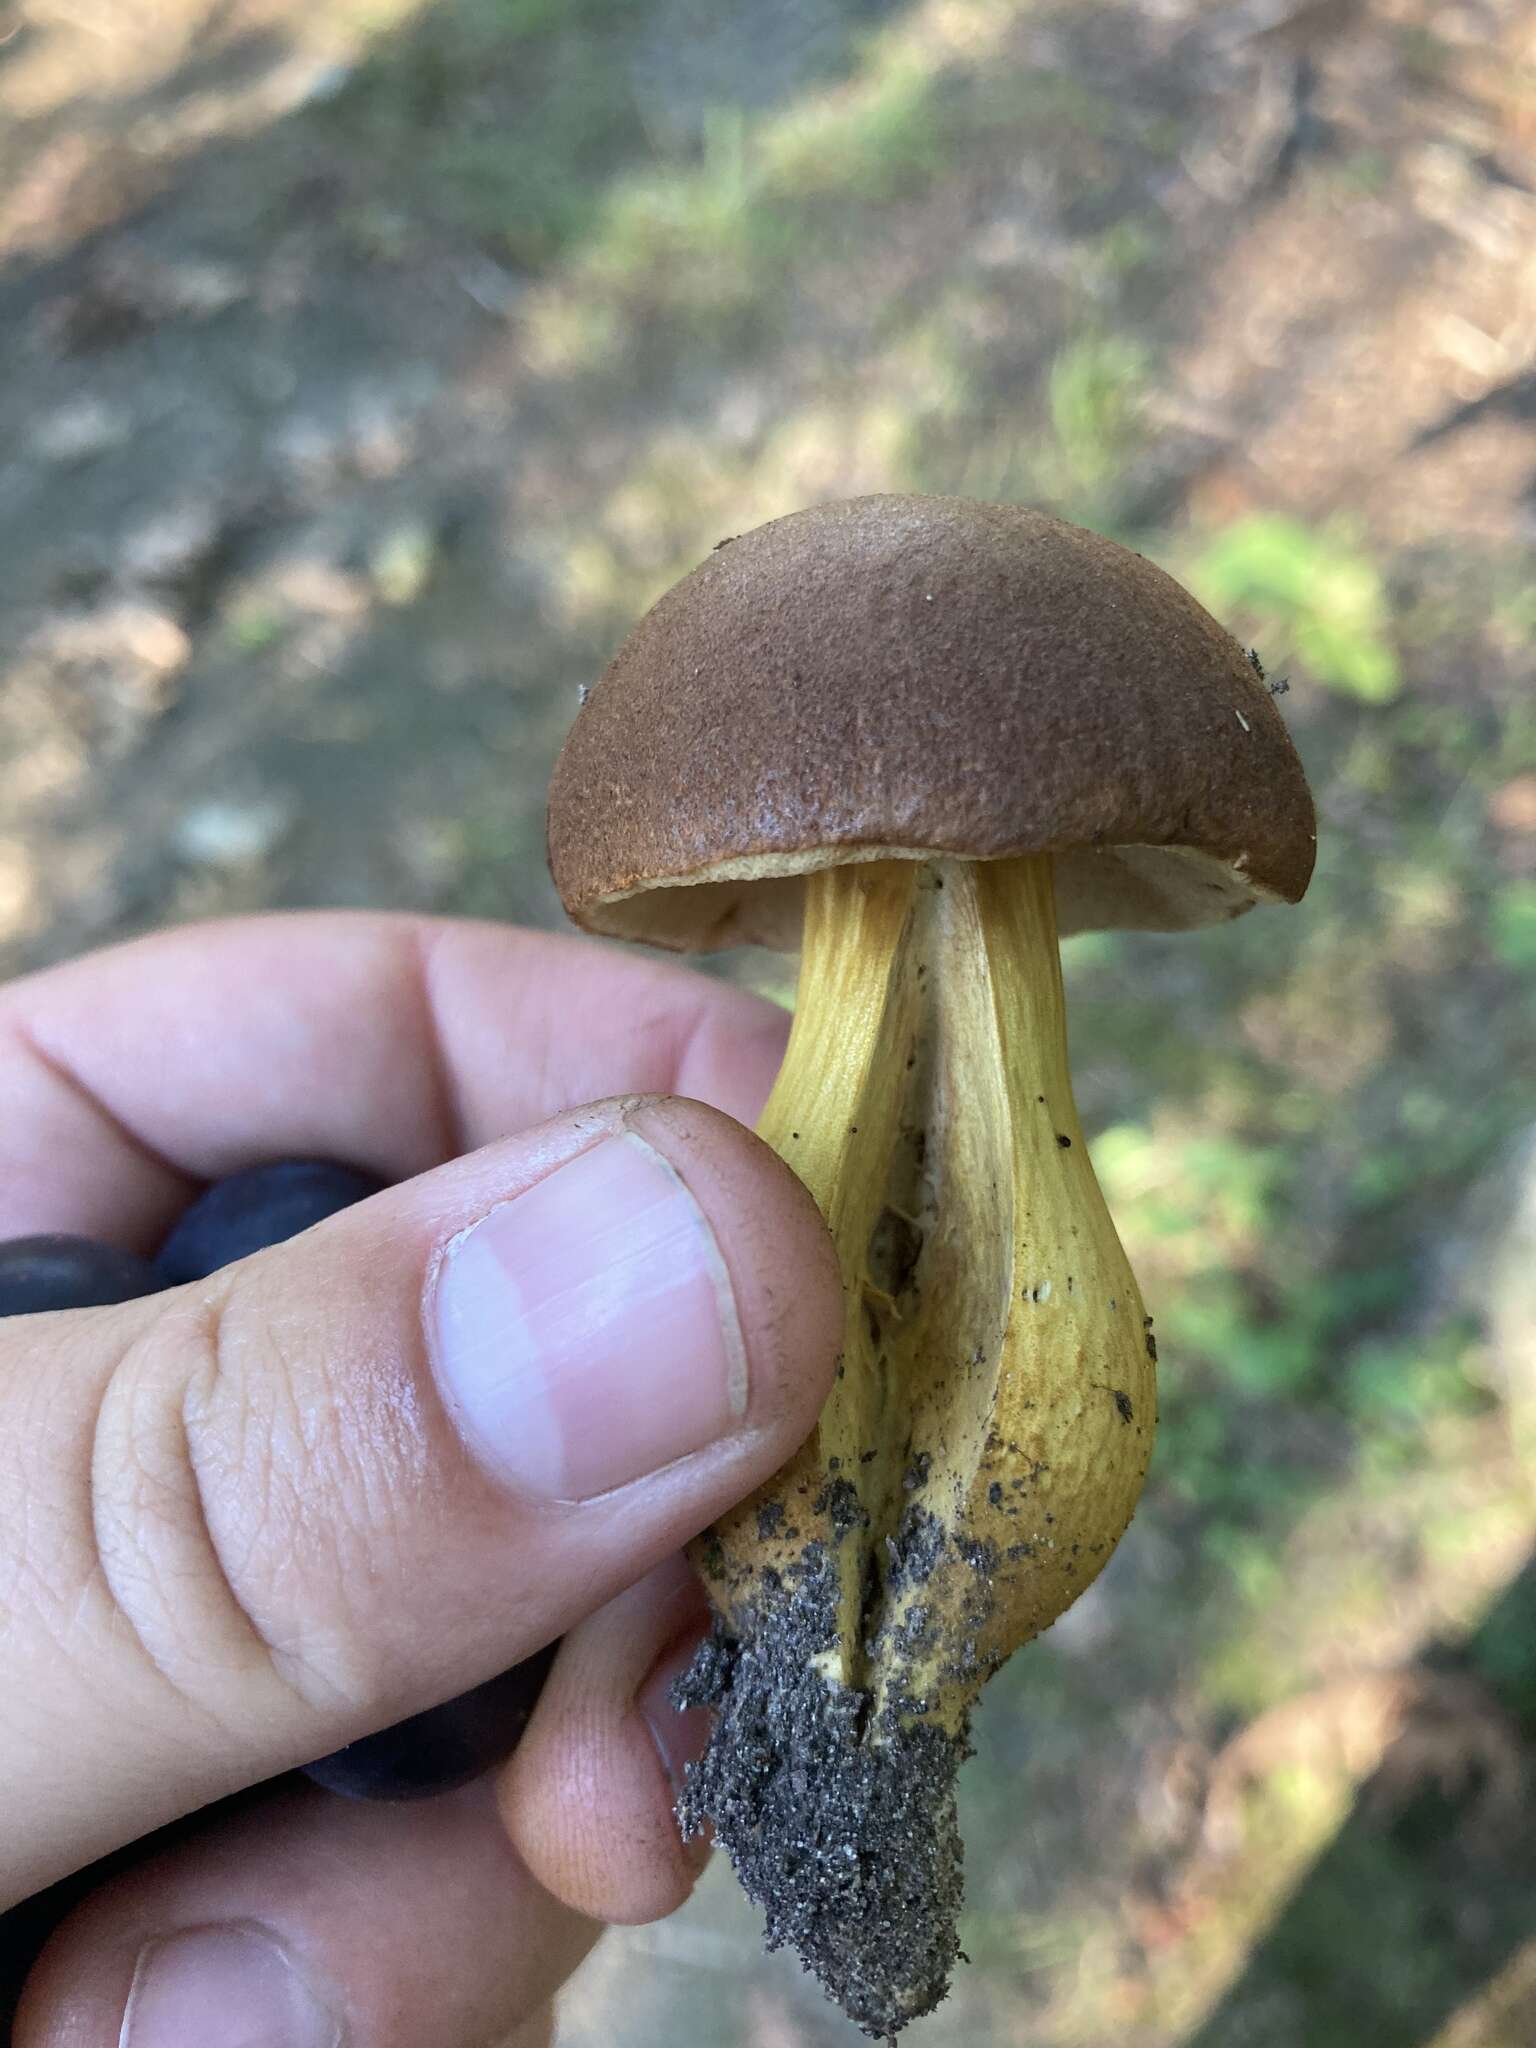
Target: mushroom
x,y
918,738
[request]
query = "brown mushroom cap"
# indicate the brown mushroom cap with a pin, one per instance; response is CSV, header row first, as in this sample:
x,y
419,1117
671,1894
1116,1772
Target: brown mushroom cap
x,y
897,677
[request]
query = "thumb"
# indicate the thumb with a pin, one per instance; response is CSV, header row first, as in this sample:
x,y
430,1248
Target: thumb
x,y
266,1514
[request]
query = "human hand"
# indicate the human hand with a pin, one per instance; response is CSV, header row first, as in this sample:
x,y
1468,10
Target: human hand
x,y
254,1518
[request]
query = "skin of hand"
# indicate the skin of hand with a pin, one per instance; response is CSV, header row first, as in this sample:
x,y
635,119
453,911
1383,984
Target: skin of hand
x,y
254,1518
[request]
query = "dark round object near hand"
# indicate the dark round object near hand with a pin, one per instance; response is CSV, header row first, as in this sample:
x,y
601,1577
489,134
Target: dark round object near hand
x,y
443,1747
56,1272
259,1207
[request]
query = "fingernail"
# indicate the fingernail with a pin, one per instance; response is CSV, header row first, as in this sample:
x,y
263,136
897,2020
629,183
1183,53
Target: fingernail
x,y
680,1734
586,1332
223,1987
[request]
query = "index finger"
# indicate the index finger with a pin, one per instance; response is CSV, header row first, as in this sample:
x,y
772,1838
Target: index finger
x,y
391,1042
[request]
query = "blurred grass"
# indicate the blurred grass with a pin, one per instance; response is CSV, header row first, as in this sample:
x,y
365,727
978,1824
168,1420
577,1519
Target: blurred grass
x,y
1314,590
526,172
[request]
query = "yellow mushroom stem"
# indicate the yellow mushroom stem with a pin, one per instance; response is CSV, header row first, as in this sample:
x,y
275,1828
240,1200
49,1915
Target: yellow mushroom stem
x,y
987,1436
984,1442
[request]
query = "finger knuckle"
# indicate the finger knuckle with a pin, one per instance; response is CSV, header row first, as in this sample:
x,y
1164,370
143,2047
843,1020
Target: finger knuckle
x,y
220,1531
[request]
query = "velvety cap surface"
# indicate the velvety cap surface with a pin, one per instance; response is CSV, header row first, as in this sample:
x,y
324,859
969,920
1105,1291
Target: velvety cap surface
x,y
906,676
